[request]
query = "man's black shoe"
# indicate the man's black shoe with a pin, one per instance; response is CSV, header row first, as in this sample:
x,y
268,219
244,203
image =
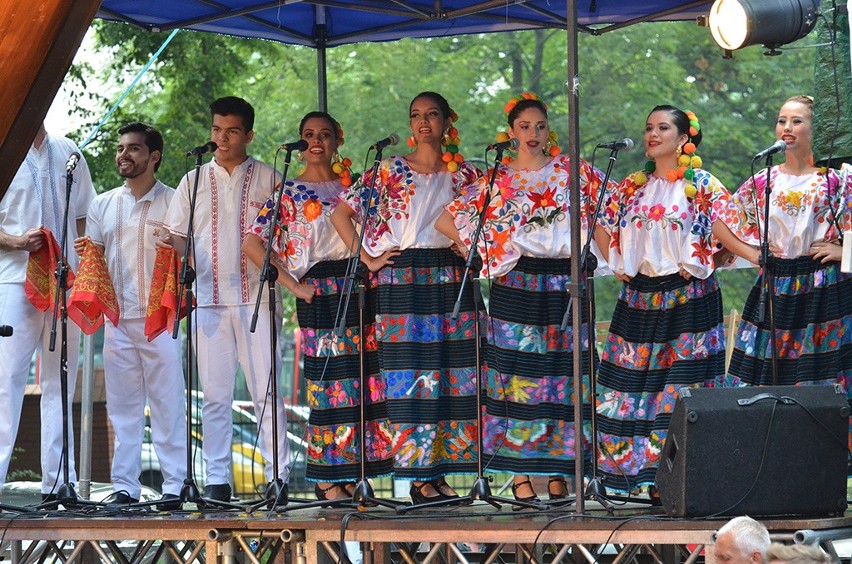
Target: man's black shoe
x,y
169,502
121,498
217,492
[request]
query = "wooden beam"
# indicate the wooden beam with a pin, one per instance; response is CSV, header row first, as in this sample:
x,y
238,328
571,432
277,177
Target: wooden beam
x,y
38,41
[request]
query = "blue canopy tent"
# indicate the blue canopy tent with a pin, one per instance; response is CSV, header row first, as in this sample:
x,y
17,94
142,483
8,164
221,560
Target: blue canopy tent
x,y
328,23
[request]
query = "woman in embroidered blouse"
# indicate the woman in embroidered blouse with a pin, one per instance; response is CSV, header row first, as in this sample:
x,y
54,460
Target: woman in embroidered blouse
x,y
311,261
426,358
809,209
528,425
657,233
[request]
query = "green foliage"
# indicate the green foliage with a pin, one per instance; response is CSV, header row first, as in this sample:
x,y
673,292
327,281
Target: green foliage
x,y
623,75
24,474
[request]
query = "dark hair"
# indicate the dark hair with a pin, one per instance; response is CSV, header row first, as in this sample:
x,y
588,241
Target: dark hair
x,y
439,100
233,106
681,121
335,126
525,105
153,138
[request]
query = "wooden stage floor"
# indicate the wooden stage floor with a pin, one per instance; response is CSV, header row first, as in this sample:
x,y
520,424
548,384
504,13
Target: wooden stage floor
x,y
478,533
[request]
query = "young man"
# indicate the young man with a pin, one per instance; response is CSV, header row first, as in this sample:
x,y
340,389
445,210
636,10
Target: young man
x,y
36,198
126,224
231,191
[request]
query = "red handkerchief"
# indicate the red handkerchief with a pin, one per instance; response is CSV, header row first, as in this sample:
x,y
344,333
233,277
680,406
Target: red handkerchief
x,y
93,296
40,286
163,294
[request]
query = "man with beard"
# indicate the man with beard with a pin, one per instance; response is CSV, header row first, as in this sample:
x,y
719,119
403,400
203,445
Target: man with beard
x,y
126,223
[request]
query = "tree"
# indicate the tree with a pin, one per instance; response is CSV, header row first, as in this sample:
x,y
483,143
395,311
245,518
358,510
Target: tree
x,y
623,75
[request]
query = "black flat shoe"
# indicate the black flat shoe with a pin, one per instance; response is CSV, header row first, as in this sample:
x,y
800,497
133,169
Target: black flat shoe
x,y
343,487
418,497
563,487
441,486
528,499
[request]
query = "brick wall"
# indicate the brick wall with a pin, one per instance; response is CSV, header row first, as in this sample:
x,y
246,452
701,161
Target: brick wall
x,y
29,438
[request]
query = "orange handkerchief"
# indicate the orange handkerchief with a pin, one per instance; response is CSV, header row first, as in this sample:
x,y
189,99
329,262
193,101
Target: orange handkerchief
x,y
40,286
93,296
163,294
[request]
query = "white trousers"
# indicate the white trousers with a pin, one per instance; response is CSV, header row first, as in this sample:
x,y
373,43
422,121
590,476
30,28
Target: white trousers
x,y
135,371
31,333
224,342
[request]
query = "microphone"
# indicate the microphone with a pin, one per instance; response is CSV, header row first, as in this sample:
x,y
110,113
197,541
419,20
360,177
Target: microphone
x,y
621,145
391,139
777,147
299,145
5,330
209,147
72,162
512,143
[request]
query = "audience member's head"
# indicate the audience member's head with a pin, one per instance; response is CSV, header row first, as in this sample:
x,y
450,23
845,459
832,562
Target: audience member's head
x,y
741,540
796,554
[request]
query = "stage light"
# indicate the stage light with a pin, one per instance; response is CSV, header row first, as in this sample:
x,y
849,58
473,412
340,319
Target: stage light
x,y
739,23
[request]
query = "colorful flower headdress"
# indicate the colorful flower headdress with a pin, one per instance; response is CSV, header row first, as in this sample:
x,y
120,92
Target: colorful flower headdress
x,y
550,147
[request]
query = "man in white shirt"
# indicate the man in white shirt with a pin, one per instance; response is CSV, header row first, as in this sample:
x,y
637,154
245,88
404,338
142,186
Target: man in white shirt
x,y
35,198
126,224
231,191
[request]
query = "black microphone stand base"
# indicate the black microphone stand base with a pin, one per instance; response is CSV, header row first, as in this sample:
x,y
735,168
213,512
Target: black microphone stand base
x,y
189,492
595,491
277,497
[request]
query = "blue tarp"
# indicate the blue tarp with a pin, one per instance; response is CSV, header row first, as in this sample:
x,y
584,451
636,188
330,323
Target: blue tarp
x,y
351,21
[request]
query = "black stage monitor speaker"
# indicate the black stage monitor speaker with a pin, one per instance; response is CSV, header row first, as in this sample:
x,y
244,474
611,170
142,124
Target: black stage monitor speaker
x,y
773,450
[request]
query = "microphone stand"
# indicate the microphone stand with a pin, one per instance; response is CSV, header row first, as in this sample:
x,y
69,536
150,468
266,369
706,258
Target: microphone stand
x,y
594,490
481,489
65,494
189,492
767,276
363,495
276,491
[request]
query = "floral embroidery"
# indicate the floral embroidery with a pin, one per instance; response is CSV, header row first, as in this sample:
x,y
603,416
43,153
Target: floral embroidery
x,y
302,206
523,203
391,196
660,210
804,209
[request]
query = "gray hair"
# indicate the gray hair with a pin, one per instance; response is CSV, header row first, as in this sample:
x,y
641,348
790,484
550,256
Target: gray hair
x,y
749,535
797,554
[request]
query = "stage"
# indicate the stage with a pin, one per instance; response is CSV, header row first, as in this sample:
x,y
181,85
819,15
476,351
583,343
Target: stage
x,y
477,533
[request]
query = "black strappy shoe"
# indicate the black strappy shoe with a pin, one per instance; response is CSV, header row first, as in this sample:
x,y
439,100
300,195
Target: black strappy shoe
x,y
440,484
323,493
417,496
564,488
528,499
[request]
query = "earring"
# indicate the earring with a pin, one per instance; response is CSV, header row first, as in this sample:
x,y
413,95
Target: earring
x,y
446,139
679,151
412,142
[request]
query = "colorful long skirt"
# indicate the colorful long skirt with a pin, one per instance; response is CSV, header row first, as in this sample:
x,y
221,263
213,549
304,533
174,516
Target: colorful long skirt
x,y
428,364
334,379
812,304
666,333
530,397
